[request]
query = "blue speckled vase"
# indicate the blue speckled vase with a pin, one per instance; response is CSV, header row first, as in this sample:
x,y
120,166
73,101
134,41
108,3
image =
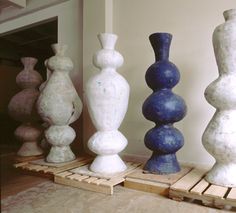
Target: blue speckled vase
x,y
164,108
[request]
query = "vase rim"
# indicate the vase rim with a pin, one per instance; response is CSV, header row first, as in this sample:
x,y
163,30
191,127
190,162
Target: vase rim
x,y
229,13
107,34
161,33
30,58
59,48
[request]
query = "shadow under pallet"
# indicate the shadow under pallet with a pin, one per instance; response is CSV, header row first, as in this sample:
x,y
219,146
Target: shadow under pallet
x,y
84,179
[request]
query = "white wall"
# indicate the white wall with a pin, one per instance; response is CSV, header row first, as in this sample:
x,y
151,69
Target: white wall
x,y
191,23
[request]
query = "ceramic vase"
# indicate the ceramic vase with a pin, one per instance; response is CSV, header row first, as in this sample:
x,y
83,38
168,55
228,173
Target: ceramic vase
x,y
164,108
22,108
43,143
107,96
59,105
219,138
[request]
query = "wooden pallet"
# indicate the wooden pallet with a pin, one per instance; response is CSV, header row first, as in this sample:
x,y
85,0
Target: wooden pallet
x,y
194,186
49,170
92,183
20,159
153,183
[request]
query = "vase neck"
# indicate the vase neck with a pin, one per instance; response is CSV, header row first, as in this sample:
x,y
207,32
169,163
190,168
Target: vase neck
x,y
29,63
107,40
161,45
108,70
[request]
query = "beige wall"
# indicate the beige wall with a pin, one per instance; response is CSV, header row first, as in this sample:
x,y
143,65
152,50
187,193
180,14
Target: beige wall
x,y
191,23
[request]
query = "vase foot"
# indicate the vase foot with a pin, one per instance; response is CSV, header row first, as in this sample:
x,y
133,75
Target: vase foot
x,y
29,149
60,154
108,164
162,164
222,174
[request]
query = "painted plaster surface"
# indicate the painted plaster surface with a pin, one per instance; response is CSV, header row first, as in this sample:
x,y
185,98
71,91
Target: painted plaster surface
x,y
219,138
107,96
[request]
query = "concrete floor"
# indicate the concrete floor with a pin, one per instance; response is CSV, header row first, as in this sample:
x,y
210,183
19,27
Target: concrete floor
x,y
48,197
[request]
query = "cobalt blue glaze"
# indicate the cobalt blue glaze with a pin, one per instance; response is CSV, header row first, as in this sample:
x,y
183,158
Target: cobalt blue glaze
x,y
164,108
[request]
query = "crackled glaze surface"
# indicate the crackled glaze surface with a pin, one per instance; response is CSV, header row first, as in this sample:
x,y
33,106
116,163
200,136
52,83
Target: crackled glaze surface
x,y
107,95
219,138
22,108
59,105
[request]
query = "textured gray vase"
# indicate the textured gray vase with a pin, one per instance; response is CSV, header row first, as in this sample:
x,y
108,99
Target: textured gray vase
x,y
59,105
219,138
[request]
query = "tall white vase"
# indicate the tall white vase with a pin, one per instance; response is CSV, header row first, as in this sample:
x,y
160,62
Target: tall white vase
x,y
219,138
107,96
59,105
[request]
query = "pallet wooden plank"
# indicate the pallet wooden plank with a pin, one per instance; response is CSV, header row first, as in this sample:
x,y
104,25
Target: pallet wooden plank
x,y
82,177
91,179
64,174
99,181
232,195
83,185
30,167
147,186
36,167
74,177
50,170
113,181
189,180
216,191
200,187
20,164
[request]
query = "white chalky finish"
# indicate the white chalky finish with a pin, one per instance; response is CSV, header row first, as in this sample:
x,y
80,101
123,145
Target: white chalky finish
x,y
107,95
59,105
22,108
219,138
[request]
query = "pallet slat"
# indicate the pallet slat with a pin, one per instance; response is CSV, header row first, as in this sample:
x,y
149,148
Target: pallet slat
x,y
216,191
64,174
75,177
99,181
90,179
232,195
200,187
189,180
146,186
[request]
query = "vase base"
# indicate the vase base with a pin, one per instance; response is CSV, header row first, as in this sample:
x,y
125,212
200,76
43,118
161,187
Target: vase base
x,y
29,149
60,155
222,175
162,164
108,164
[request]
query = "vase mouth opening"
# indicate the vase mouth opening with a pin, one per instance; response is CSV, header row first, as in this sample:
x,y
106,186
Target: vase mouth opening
x,y
59,49
160,34
107,40
29,61
229,14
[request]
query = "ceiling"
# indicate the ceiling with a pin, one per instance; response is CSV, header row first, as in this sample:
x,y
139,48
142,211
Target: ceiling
x,y
33,41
